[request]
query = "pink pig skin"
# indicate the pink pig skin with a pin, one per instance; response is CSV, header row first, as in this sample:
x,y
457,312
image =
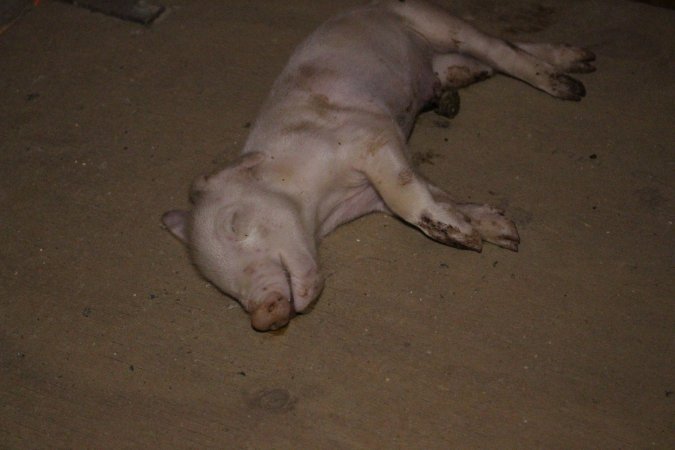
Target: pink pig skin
x,y
329,146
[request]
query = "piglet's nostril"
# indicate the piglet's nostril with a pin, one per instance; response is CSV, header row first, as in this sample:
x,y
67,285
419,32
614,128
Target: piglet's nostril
x,y
273,305
274,312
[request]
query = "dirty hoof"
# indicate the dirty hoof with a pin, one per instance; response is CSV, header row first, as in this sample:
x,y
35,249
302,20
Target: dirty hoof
x,y
579,60
449,235
275,312
567,88
447,104
568,58
492,226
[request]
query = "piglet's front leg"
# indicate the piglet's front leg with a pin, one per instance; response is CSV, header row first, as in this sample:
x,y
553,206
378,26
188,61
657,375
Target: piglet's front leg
x,y
429,208
487,220
408,195
492,225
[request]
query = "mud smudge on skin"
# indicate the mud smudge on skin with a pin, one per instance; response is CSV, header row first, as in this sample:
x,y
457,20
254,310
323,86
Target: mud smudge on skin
x,y
405,176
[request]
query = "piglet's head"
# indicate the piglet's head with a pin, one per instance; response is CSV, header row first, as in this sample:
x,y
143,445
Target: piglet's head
x,y
251,243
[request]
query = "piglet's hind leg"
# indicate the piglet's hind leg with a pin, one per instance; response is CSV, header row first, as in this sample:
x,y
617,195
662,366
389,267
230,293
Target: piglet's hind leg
x,y
446,34
564,57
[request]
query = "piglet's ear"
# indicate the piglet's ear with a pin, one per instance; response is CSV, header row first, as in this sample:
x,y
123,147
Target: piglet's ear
x,y
248,160
176,221
198,186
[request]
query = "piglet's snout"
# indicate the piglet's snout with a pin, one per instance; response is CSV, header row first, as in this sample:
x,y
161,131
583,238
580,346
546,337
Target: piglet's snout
x,y
273,313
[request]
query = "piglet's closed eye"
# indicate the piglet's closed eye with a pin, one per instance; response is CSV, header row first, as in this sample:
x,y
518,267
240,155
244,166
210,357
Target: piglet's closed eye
x,y
235,224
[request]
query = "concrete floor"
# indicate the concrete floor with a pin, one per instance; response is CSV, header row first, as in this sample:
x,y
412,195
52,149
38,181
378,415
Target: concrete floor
x,y
110,339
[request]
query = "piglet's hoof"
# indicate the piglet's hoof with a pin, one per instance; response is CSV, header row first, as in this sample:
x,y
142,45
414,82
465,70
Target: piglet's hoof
x,y
275,312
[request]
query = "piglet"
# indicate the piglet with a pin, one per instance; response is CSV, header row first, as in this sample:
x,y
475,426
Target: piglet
x,y
329,146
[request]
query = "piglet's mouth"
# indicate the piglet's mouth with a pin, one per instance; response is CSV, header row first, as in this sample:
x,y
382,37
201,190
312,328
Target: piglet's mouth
x,y
273,313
